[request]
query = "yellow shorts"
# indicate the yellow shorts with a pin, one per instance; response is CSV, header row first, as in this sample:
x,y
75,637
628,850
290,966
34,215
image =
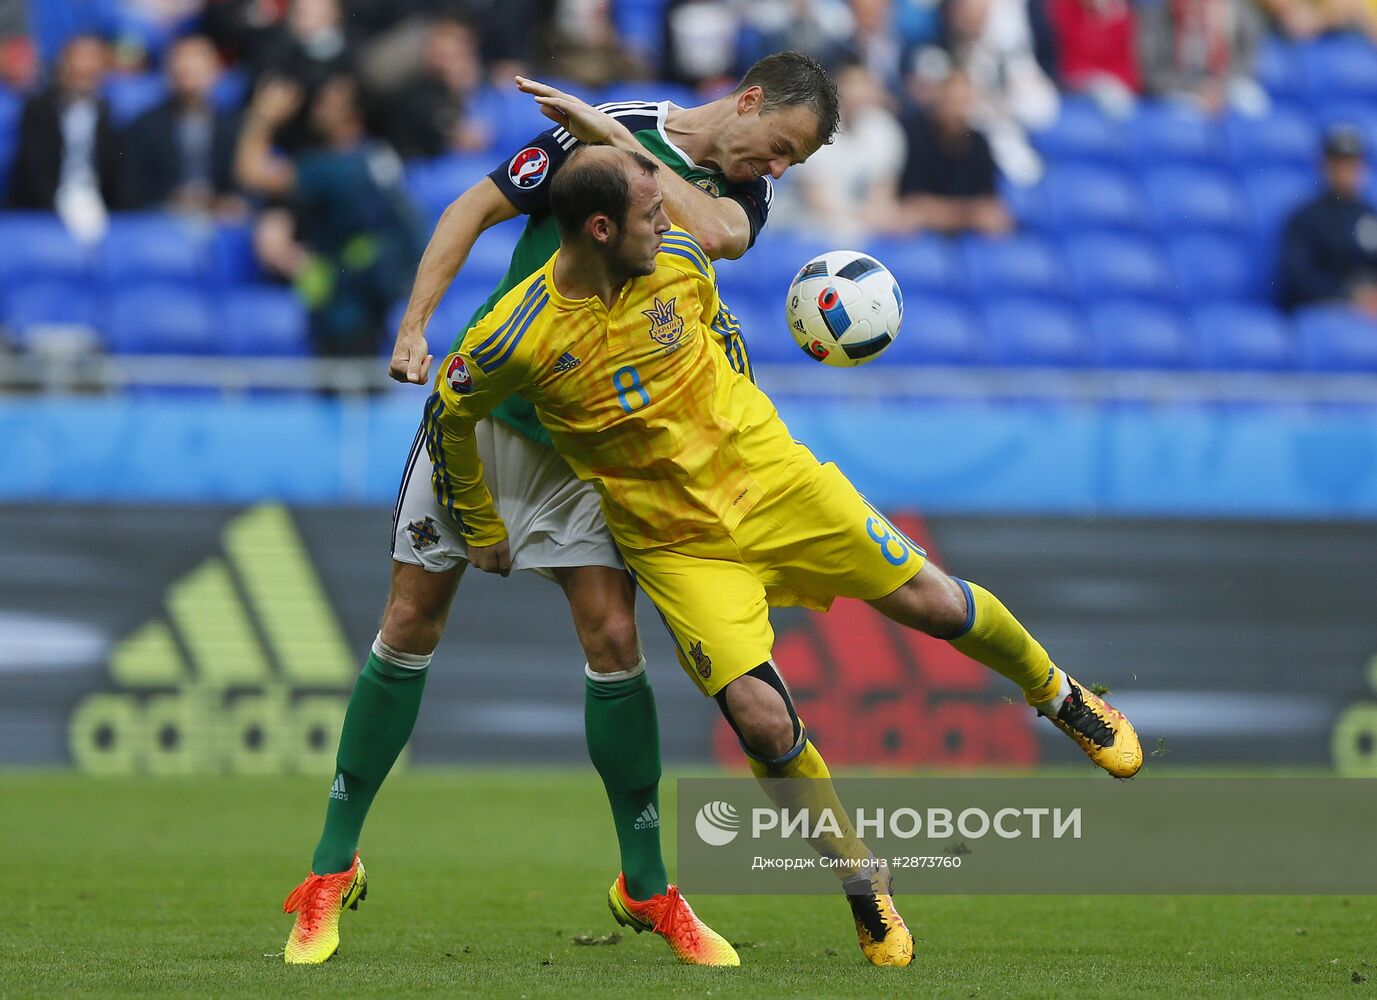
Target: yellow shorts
x,y
814,540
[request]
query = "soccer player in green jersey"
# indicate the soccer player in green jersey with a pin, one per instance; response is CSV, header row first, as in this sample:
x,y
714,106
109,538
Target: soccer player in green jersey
x,y
721,158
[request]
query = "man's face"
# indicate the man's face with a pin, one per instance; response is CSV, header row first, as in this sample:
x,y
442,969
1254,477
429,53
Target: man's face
x,y
192,69
758,144
1345,174
637,241
83,66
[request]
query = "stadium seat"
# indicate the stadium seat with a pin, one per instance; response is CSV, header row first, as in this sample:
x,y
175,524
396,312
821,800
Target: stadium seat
x,y
1277,66
1284,138
777,257
433,184
1029,206
160,319
1016,265
920,263
48,302
451,316
768,340
1110,265
1340,68
37,245
232,259
1094,197
1035,333
1274,193
1337,339
261,322
1163,132
1081,132
153,247
937,331
1216,267
1186,199
1244,337
131,94
1134,335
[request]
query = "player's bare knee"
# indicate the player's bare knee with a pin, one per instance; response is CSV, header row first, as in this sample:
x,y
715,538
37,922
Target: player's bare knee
x,y
931,602
615,642
758,707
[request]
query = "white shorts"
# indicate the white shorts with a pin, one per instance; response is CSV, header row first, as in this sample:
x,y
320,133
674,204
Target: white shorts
x,y
553,518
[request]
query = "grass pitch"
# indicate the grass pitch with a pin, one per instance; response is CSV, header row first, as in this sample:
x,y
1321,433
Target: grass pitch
x,y
480,881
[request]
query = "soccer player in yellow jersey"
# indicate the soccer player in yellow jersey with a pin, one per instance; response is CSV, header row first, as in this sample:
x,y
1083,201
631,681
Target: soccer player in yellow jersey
x,y
718,512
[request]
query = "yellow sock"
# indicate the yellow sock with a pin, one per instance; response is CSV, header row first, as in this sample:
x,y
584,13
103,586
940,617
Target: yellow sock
x,y
814,792
997,639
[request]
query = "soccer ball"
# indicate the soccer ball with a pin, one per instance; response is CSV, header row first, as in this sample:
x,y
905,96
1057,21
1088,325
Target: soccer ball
x,y
844,308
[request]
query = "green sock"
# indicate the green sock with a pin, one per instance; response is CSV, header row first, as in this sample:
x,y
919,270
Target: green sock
x,y
382,711
623,735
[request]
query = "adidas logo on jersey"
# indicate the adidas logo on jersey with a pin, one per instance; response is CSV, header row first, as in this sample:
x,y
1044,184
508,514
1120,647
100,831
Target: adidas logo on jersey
x,y
566,363
648,818
337,790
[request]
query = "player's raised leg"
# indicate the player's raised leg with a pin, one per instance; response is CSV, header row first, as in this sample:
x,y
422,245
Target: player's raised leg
x,y
623,733
792,772
381,714
975,622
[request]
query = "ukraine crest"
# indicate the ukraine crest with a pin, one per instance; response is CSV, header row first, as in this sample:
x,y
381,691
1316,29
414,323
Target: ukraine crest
x,y
666,327
702,662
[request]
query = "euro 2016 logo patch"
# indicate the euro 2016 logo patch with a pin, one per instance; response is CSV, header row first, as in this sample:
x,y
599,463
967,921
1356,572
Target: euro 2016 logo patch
x,y
666,327
458,377
702,662
528,168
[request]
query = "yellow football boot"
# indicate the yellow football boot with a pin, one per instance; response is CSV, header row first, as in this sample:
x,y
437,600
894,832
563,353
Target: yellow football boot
x,y
1100,729
670,916
884,938
317,903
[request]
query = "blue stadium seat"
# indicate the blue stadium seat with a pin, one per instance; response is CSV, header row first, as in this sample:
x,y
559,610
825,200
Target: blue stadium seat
x,y
37,245
1029,206
433,184
1244,337
1274,193
1285,138
231,90
1215,267
1094,197
450,318
1081,132
232,260
1340,68
262,322
778,256
1277,66
153,247
1186,199
1135,335
1021,264
131,94
1172,132
767,337
1110,265
920,263
1337,339
1035,333
48,302
937,331
160,319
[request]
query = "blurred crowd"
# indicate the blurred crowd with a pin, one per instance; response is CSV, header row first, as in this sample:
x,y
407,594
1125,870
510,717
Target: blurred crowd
x,y
299,115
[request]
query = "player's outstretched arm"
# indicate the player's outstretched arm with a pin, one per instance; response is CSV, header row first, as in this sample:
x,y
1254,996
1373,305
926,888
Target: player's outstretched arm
x,y
477,209
718,224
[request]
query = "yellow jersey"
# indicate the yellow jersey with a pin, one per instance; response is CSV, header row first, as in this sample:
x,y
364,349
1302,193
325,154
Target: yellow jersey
x,y
650,400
